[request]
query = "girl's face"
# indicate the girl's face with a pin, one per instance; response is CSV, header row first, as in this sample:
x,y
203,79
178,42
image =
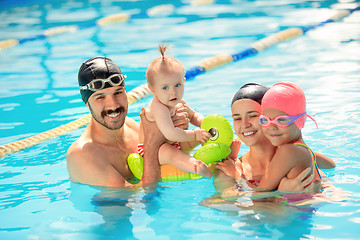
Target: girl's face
x,y
280,135
169,88
245,113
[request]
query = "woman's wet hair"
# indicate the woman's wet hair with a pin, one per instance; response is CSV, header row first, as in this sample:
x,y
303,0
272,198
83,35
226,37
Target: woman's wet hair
x,y
253,91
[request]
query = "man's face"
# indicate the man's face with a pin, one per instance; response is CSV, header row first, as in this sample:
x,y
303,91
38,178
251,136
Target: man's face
x,y
109,107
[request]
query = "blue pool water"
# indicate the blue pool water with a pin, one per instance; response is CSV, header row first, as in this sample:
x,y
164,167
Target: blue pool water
x,y
38,92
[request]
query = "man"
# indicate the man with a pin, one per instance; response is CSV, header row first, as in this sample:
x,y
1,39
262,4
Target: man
x,y
99,156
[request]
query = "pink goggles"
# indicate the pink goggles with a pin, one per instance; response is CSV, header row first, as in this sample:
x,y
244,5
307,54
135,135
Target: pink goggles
x,y
281,121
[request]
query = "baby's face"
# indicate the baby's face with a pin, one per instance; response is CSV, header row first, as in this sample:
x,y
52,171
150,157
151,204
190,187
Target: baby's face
x,y
169,87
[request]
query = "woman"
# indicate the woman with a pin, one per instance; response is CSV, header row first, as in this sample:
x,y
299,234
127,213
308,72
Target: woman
x,y
246,109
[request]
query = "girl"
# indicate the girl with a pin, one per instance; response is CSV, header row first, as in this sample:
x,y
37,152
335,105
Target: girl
x,y
283,116
252,166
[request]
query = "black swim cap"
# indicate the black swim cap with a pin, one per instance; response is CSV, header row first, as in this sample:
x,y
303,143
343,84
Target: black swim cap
x,y
96,68
253,91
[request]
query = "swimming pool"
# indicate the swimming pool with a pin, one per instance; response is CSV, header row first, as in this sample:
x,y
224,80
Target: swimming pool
x,y
38,93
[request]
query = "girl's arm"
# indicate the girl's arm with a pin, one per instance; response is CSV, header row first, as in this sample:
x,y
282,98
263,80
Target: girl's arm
x,y
285,159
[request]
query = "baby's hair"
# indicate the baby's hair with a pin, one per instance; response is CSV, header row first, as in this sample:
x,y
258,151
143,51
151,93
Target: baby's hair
x,y
162,49
163,64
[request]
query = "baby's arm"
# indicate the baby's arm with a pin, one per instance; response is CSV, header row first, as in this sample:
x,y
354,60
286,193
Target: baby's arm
x,y
161,115
195,117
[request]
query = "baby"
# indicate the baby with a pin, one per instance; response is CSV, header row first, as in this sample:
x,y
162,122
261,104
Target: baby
x,y
165,77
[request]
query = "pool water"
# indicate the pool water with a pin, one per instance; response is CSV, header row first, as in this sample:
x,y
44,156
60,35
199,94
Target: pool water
x,y
39,92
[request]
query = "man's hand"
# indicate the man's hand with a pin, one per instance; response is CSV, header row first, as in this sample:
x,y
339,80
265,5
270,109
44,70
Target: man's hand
x,y
181,118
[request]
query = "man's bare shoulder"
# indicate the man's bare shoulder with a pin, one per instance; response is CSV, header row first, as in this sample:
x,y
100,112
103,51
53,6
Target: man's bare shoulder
x,y
82,151
131,123
80,146
84,157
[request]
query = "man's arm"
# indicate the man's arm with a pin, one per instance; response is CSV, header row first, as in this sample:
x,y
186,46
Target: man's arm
x,y
153,139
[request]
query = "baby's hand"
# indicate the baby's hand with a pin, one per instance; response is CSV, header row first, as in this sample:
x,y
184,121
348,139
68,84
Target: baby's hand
x,y
201,135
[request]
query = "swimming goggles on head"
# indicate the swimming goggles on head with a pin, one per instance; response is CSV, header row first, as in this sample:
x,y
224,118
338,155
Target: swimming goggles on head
x,y
98,84
281,121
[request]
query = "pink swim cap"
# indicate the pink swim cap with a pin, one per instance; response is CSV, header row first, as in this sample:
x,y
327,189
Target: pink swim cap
x,y
289,98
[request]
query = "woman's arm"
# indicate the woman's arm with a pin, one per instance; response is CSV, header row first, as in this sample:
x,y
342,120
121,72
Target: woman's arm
x,y
324,162
222,181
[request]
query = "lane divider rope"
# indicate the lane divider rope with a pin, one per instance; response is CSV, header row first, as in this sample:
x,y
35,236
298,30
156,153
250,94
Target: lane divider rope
x,y
159,10
134,95
143,91
263,44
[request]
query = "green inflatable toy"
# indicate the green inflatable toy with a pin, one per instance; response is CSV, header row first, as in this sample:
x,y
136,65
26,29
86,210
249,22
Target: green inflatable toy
x,y
136,162
219,128
215,149
218,145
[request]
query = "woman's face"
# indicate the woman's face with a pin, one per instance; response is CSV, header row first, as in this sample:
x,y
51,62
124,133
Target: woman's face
x,y
245,113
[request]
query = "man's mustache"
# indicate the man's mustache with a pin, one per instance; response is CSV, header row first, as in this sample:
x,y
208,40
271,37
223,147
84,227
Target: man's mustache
x,y
110,111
